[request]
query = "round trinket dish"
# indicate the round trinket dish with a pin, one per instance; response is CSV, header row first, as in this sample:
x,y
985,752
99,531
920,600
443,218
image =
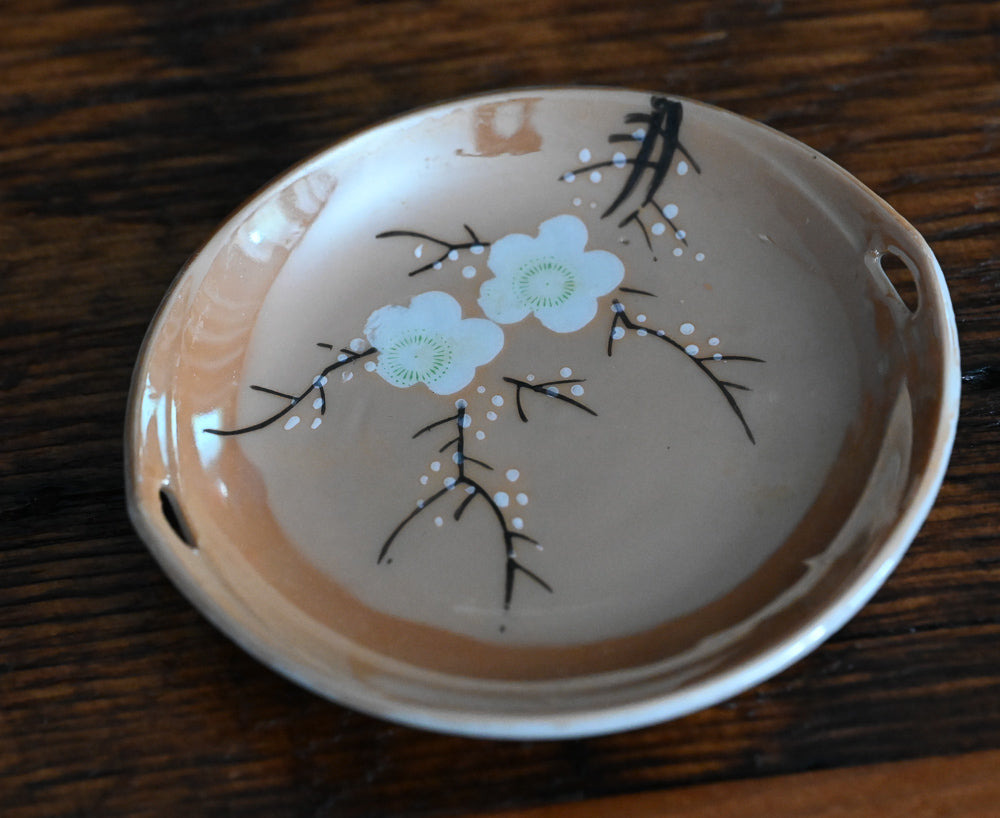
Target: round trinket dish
x,y
545,413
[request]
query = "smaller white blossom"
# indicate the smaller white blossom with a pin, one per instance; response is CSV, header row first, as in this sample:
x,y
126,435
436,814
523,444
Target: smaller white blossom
x,y
429,342
551,276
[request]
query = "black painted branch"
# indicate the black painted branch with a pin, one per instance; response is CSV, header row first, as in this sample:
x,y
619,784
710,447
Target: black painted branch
x,y
621,317
450,247
294,400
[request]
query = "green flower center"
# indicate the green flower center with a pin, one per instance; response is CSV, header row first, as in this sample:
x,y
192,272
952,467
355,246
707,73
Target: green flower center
x,y
544,282
415,356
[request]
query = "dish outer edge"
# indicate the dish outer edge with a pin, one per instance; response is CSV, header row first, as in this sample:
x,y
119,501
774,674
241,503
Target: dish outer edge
x,y
672,704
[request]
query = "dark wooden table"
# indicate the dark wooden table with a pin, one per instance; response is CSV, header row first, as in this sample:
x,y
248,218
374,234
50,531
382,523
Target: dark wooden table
x,y
129,129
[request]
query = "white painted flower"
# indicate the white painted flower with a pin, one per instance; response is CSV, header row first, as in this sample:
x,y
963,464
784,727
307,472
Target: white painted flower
x,y
551,276
429,342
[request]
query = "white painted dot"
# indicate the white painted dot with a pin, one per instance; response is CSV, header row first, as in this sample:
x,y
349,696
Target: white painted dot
x,y
577,201
438,521
577,389
513,474
316,422
682,168
437,265
449,482
619,159
529,377
491,415
639,134
322,380
569,177
518,523
470,489
357,344
658,229
522,499
342,357
595,176
617,307
713,341
618,333
292,422
593,205
641,318
502,499
584,155
461,403
318,403
566,372
687,329
370,366
691,349
436,466
466,421
469,271
480,435
717,356
641,333
420,503
671,211
551,390
346,375
418,251
423,479
680,235
453,254
497,400
660,333
699,256
477,249
678,251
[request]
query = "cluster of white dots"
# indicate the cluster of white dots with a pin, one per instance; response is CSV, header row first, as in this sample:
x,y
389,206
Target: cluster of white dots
x,y
469,271
317,403
670,211
688,328
502,499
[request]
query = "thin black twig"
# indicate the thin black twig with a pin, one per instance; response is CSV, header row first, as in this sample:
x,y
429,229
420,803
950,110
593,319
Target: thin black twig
x,y
474,490
623,322
634,291
450,247
348,357
659,144
550,390
635,217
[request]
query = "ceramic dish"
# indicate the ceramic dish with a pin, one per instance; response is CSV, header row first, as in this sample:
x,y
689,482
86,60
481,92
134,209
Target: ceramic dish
x,y
545,413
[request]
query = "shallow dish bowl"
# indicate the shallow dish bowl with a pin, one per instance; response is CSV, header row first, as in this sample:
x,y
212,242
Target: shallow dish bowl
x,y
544,413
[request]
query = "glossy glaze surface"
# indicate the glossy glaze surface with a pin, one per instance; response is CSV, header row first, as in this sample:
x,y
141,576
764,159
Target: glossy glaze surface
x,y
697,298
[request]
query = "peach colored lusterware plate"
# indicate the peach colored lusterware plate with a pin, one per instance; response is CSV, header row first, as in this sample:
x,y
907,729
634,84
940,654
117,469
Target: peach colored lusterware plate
x,y
545,413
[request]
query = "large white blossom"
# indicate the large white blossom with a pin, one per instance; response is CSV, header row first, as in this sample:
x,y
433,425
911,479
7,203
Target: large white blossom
x,y
551,276
429,342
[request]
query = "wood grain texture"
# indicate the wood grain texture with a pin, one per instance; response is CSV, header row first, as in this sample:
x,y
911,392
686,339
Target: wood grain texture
x,y
129,129
965,787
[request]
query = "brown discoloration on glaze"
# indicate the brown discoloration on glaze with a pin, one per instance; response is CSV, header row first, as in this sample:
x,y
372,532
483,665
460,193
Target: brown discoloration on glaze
x,y
506,128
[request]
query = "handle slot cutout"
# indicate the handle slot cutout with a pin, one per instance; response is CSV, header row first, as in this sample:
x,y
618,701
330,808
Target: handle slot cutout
x,y
898,268
175,518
